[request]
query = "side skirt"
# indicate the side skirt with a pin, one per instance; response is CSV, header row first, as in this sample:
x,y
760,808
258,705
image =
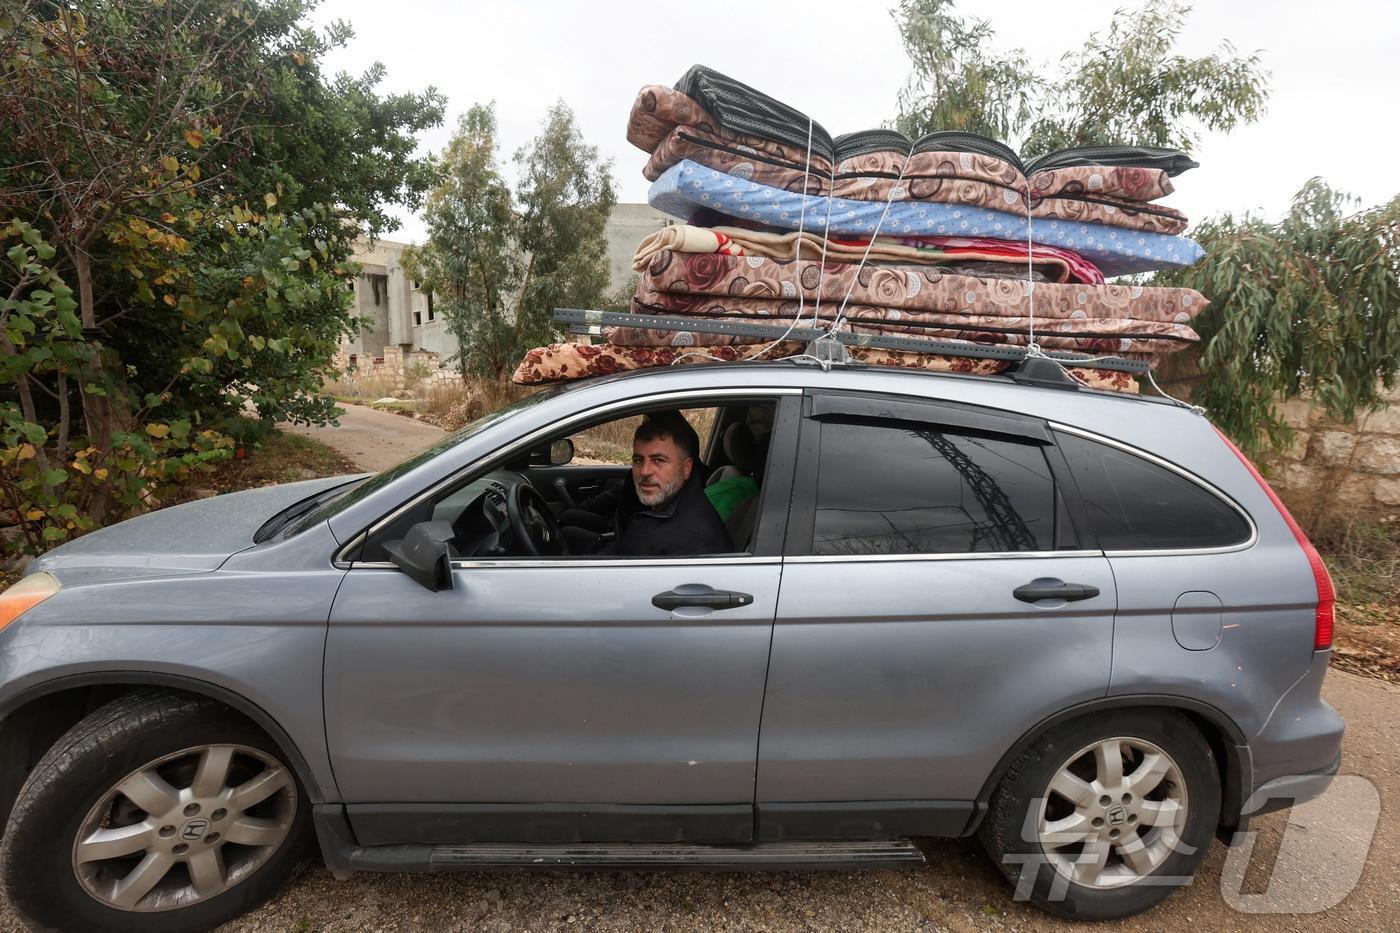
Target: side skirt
x,y
343,855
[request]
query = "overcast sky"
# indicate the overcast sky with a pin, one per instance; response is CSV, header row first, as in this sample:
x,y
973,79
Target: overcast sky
x,y
1333,110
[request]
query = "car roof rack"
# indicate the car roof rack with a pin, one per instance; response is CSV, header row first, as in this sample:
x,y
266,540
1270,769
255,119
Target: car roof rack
x,y
828,348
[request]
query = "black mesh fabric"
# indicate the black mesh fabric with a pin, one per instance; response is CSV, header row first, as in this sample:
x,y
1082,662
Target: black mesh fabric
x,y
851,145
1171,161
742,109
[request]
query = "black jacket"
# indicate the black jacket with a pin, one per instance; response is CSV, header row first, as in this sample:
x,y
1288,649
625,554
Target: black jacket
x,y
687,525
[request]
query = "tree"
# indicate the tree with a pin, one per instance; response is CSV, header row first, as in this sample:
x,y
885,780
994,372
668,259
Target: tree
x,y
1310,304
1125,86
566,196
470,263
185,166
498,265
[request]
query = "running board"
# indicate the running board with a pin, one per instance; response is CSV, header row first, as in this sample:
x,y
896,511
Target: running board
x,y
766,856
344,856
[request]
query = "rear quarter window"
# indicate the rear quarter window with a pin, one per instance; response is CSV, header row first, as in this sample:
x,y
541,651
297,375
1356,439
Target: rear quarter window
x,y
1135,504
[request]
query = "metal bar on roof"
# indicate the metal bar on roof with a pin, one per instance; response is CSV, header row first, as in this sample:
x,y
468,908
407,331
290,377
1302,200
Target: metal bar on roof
x,y
592,322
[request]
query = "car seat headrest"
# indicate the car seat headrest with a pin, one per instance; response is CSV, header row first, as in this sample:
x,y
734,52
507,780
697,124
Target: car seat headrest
x,y
739,446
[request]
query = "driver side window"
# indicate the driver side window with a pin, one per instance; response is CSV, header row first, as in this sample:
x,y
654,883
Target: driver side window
x,y
696,490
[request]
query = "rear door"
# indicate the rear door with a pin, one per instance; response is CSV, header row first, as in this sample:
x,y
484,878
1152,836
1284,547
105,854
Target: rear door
x,y
935,605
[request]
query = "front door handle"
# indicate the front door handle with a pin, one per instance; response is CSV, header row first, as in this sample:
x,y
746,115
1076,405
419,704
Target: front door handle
x,y
700,596
1050,588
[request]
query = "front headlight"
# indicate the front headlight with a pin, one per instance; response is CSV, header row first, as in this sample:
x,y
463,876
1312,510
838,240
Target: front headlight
x,y
25,595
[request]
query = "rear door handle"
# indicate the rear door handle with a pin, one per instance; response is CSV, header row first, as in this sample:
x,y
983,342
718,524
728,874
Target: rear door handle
x,y
700,596
1050,588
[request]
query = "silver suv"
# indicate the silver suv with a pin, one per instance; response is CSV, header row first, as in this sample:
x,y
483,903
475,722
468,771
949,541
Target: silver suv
x,y
1074,623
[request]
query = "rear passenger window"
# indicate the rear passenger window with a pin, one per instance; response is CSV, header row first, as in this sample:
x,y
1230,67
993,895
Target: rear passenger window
x,y
1134,504
903,488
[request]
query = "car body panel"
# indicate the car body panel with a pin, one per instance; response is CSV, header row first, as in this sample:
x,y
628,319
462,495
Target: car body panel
x,y
258,635
551,683
194,536
145,596
913,684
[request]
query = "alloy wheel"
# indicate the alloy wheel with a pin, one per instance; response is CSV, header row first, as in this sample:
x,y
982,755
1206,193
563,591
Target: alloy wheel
x,y
1113,813
184,828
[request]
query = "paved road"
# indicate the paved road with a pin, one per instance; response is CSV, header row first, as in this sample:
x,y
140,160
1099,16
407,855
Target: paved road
x,y
375,440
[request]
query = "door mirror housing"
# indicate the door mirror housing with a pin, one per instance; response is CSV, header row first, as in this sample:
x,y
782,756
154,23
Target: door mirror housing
x,y
425,554
558,453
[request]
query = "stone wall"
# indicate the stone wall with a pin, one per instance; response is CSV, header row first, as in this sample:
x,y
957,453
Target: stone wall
x,y
1336,473
407,374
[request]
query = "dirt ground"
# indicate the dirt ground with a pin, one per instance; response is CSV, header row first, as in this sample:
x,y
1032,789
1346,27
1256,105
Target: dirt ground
x,y
375,440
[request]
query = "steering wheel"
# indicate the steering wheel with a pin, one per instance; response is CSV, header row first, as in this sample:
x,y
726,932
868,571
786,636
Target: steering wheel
x,y
533,523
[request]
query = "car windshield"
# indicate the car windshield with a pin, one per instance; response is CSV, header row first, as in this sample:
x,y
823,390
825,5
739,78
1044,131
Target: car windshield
x,y
354,493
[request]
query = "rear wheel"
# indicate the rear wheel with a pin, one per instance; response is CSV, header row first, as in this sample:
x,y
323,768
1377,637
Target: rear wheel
x,y
160,811
1104,817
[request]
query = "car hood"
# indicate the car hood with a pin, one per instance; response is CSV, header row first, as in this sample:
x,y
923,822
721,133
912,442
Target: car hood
x,y
196,536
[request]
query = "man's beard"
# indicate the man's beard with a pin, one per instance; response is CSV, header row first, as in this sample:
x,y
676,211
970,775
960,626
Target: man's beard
x,y
653,496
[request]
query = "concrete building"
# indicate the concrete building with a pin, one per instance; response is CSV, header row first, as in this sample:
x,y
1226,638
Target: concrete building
x,y
627,225
402,318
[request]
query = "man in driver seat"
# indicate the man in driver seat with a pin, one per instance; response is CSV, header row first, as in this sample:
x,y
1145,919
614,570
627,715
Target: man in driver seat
x,y
664,510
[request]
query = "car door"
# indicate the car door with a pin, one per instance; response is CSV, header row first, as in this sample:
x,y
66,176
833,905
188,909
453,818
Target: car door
x,y
935,605
554,699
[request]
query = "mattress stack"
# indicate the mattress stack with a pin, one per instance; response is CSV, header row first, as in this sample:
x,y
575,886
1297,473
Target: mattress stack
x,y
951,237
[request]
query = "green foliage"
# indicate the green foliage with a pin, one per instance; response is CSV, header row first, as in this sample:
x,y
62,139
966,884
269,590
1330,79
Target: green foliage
x,y
1124,86
565,197
498,265
198,182
470,262
1307,305
48,483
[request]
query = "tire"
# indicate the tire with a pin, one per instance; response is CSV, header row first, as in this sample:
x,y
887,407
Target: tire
x,y
1165,826
63,864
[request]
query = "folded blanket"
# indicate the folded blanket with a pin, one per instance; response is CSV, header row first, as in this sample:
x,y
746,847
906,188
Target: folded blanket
x,y
1099,336
737,109
945,177
1119,181
689,187
566,361
1048,263
671,126
1078,269
909,288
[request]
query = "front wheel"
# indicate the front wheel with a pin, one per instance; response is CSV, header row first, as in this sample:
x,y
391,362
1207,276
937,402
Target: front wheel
x,y
1106,816
160,811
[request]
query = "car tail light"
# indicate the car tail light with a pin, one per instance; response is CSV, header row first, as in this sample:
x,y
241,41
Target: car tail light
x,y
25,595
1326,595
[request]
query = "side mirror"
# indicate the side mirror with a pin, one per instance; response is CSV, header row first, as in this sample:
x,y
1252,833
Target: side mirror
x,y
558,453
561,452
425,554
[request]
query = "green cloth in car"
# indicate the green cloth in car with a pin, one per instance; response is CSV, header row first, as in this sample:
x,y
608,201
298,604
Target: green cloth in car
x,y
727,494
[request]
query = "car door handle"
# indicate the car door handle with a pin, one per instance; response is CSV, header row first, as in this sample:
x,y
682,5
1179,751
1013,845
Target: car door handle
x,y
700,596
1050,588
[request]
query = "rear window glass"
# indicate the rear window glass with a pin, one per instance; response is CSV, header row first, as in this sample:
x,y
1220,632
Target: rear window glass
x,y
1134,504
900,488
